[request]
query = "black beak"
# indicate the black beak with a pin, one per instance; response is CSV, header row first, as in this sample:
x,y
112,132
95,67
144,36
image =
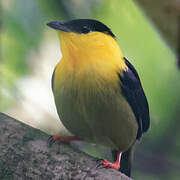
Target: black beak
x,y
59,26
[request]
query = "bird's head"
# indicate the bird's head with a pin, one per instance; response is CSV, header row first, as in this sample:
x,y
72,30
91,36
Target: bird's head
x,y
81,26
85,37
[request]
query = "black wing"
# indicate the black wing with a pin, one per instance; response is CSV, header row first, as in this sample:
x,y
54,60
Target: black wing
x,y
134,94
52,80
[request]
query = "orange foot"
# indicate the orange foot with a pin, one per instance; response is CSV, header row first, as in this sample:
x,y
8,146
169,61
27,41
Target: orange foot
x,y
107,164
65,139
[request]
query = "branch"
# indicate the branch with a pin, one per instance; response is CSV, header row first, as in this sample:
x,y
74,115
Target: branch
x,y
25,154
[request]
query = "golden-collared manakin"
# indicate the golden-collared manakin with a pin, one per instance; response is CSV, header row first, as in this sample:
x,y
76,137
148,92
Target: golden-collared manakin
x,y
97,91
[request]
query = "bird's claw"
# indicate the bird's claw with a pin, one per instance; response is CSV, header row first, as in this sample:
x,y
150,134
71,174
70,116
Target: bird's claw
x,y
99,160
100,163
51,141
106,164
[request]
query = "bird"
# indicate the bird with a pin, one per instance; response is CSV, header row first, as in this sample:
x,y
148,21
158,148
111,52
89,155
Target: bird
x,y
97,92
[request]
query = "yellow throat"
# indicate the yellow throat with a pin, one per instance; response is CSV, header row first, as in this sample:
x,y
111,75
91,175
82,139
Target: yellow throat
x,y
89,55
90,48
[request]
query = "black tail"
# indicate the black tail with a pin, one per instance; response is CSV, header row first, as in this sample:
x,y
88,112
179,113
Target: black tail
x,y
126,160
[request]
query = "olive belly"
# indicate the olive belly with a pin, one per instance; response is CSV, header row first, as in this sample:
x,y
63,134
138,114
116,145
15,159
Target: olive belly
x,y
98,117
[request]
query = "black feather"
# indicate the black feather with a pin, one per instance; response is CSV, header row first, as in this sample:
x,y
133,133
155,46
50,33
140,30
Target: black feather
x,y
134,94
81,26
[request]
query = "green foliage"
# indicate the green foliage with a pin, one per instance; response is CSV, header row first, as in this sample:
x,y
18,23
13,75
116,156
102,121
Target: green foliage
x,y
20,34
22,30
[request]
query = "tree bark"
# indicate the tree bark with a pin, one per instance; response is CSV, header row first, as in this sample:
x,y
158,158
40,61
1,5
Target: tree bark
x,y
24,154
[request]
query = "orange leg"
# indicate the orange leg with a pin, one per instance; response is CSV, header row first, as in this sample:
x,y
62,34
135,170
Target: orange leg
x,y
115,165
65,139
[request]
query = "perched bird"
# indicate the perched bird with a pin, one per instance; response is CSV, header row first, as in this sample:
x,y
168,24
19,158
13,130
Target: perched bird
x,y
97,91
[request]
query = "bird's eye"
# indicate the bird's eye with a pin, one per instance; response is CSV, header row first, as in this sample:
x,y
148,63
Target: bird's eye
x,y
85,29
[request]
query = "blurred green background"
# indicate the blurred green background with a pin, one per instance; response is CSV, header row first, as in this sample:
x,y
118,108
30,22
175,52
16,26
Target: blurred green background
x,y
147,32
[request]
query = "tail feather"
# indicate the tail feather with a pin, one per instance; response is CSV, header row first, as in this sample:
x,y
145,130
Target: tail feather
x,y
126,161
